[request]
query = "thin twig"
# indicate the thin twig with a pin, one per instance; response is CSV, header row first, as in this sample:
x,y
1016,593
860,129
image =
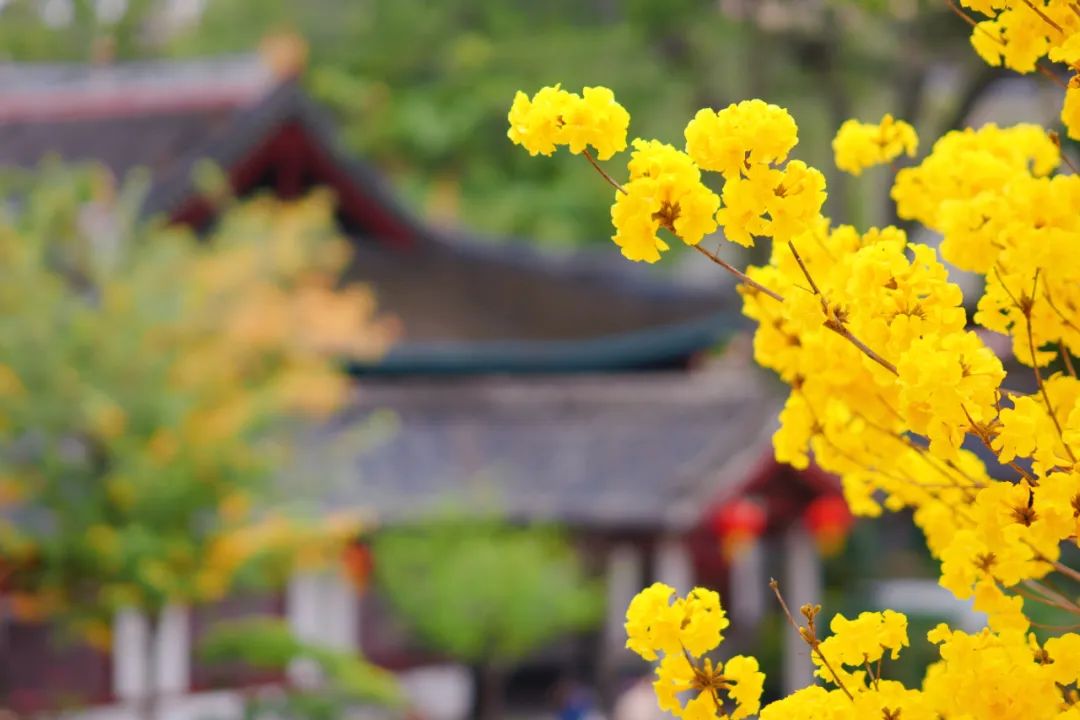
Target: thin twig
x,y
975,24
1053,598
1049,20
984,438
805,271
1066,570
1066,358
1026,309
1050,301
809,638
742,277
611,181
1035,597
834,323
1054,628
869,671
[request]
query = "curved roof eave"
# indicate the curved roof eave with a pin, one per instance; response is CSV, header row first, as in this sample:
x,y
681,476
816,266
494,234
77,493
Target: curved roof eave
x,y
656,347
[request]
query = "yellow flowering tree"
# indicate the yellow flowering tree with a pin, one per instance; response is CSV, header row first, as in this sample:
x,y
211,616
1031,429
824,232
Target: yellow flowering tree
x,y
891,381
146,376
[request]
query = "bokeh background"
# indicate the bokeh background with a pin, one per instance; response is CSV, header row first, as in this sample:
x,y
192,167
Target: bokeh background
x,y
320,399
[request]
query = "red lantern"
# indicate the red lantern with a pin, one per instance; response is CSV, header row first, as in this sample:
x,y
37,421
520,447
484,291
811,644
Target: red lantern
x,y
737,524
357,561
829,520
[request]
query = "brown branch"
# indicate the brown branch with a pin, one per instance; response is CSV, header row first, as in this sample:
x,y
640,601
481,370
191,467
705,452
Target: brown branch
x,y
739,274
1050,301
1054,599
1026,309
1046,18
975,24
984,438
603,173
1066,358
1066,570
835,324
809,637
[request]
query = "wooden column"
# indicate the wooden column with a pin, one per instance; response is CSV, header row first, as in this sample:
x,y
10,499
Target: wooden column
x,y
172,651
624,572
748,596
801,583
322,608
673,565
130,640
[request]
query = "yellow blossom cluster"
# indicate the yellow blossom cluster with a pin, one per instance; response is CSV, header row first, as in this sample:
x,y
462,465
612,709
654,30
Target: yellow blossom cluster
x,y
746,143
554,116
664,190
1021,34
203,349
893,385
679,634
858,146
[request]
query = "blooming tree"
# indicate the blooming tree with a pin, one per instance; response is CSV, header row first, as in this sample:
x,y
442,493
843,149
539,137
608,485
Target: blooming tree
x,y
146,376
888,378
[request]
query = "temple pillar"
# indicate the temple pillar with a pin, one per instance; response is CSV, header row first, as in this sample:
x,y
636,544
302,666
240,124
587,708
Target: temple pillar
x,y
801,584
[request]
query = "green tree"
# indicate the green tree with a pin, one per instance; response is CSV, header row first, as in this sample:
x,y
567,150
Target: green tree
x,y
270,644
485,592
148,379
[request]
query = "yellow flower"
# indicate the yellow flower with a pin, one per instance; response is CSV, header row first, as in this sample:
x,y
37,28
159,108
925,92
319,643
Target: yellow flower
x,y
665,191
739,136
597,120
858,146
693,624
746,199
652,622
555,117
704,622
536,124
796,201
739,679
864,639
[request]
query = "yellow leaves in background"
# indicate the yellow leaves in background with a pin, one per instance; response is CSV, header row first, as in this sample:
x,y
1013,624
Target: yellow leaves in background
x,y
149,377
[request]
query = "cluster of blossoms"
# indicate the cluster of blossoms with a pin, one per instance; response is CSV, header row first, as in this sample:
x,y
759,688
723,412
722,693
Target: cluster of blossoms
x,y
679,634
555,117
1019,34
893,384
746,143
858,145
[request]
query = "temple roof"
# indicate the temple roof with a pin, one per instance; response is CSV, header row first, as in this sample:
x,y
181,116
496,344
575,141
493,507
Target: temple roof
x,y
621,452
466,305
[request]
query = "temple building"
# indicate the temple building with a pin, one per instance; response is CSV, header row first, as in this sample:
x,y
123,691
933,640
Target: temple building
x,y
577,389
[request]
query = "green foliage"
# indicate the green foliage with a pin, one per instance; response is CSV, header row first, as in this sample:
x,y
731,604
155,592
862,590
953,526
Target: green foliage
x,y
484,591
147,379
422,88
268,643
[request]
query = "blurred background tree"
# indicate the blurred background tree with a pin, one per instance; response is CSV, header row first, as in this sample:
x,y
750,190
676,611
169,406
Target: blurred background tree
x,y
422,88
343,679
485,593
147,382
